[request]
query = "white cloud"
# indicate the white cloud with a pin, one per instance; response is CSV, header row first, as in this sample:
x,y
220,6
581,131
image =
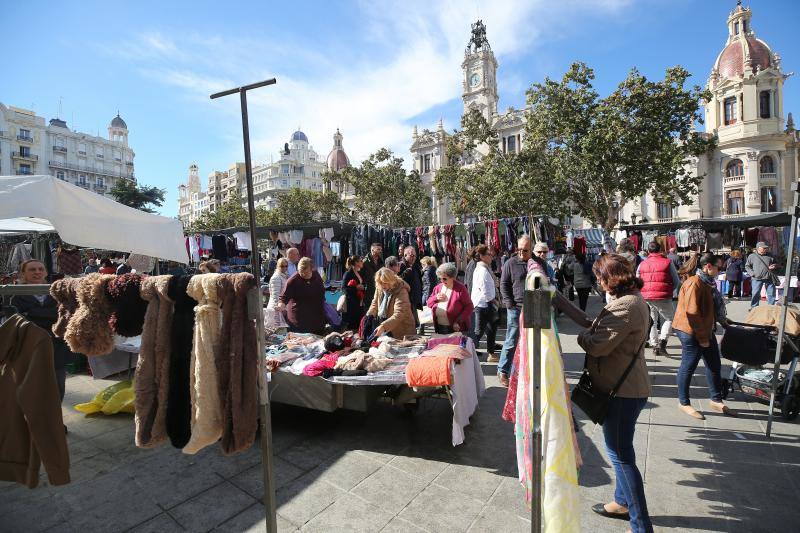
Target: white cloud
x,y
417,48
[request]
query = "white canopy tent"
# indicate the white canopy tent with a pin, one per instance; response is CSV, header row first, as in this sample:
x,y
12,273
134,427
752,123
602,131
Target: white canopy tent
x,y
83,218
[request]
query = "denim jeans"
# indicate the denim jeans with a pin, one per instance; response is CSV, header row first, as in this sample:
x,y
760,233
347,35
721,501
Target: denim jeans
x,y
618,429
756,284
510,344
484,321
692,353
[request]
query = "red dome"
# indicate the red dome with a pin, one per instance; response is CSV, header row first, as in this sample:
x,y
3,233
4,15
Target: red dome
x,y
731,61
337,160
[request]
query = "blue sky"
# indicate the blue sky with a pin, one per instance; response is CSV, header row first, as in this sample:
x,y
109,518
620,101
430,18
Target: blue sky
x,y
372,68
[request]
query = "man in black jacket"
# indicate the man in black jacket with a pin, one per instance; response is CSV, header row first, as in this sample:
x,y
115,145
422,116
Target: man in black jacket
x,y
512,290
411,273
372,263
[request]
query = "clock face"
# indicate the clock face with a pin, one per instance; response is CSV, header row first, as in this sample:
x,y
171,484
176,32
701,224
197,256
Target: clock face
x,y
474,80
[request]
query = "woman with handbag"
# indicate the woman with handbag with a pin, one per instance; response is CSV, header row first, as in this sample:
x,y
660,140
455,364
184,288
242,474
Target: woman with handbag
x,y
354,293
615,365
484,299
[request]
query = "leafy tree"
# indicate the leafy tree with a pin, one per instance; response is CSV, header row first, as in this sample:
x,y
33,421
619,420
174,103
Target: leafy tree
x,y
302,206
599,153
230,214
479,179
139,197
384,192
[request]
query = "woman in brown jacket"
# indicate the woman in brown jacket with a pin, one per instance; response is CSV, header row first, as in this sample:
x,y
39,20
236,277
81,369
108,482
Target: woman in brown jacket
x,y
615,337
700,306
392,305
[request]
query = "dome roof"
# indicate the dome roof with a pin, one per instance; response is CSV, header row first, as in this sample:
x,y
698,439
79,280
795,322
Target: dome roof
x,y
299,136
337,160
731,62
117,122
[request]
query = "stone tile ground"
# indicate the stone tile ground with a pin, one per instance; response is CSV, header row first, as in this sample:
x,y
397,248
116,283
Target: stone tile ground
x,y
388,471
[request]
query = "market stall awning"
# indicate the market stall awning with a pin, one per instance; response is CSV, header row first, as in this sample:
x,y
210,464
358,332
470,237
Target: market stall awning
x,y
711,224
23,225
83,218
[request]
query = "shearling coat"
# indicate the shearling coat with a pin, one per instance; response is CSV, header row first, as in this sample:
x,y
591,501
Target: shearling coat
x,y
64,292
237,367
152,370
179,411
204,388
400,321
87,331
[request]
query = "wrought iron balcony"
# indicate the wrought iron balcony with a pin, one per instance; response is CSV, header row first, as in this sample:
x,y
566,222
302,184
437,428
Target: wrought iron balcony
x,y
24,172
25,138
27,157
60,149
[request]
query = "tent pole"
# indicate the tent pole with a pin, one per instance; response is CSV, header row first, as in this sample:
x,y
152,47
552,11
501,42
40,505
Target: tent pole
x,y
265,415
787,285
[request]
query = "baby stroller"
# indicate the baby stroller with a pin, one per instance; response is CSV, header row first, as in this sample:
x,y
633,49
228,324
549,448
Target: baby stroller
x,y
751,346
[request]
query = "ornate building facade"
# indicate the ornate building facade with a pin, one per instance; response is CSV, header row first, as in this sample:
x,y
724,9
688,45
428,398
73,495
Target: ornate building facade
x,y
479,91
29,146
756,159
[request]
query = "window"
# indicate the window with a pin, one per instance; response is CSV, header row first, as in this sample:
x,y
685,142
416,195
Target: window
x,y
81,180
735,202
511,144
730,110
766,165
736,28
427,163
763,104
296,183
82,149
284,183
663,210
24,169
60,175
101,182
769,202
285,170
25,151
734,169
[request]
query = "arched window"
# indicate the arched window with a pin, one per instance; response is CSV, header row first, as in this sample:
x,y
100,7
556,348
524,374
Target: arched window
x,y
734,169
766,165
763,104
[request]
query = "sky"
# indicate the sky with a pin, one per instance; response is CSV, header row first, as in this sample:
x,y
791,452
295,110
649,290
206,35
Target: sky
x,y
373,69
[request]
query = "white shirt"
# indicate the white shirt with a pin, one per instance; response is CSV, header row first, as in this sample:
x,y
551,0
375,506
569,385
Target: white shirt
x,y
483,287
441,308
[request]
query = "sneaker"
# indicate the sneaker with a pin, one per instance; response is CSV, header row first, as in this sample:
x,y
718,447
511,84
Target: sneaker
x,y
503,380
691,411
492,358
721,408
663,346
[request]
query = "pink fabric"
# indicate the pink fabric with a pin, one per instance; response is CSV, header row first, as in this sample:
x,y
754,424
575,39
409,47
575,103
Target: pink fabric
x,y
454,338
326,361
459,307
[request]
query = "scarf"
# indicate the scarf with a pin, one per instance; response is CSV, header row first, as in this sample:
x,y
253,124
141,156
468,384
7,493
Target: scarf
x,y
383,305
719,303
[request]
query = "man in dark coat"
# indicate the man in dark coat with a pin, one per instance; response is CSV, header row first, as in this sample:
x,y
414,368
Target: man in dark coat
x,y
372,263
411,273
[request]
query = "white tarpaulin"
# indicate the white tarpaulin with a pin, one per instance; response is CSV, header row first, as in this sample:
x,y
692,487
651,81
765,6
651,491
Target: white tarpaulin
x,y
83,218
25,225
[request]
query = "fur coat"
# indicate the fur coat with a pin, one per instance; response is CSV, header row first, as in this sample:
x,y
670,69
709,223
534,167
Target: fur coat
x,y
204,388
129,307
237,367
87,331
63,291
152,370
178,400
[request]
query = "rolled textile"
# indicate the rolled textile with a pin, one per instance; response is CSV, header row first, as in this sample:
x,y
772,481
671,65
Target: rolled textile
x,y
87,331
64,291
429,372
152,369
127,318
204,389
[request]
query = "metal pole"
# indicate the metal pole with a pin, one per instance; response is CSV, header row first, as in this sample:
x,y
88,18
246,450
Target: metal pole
x,y
782,328
536,500
265,415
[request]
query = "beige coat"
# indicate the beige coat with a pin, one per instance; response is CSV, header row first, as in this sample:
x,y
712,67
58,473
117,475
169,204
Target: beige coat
x,y
615,336
401,320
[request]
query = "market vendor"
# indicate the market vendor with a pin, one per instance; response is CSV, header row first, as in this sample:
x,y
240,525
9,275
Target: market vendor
x,y
392,305
303,300
42,310
451,302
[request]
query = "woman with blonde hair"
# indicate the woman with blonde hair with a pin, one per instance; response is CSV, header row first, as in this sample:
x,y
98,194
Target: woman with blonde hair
x,y
303,299
392,305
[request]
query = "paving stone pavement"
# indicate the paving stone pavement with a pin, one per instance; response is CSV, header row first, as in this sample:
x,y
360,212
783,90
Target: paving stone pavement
x,y
389,471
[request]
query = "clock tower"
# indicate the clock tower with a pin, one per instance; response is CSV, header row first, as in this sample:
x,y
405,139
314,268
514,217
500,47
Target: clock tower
x,y
480,74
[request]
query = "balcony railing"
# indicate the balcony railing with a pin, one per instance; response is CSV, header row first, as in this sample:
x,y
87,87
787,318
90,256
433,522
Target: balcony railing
x,y
82,184
100,188
60,149
129,163
82,152
99,156
118,159
730,180
768,176
78,168
29,157
22,172
25,138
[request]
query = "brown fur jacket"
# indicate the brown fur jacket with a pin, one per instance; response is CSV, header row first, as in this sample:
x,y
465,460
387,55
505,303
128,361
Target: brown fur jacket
x,y
87,331
237,367
152,370
64,292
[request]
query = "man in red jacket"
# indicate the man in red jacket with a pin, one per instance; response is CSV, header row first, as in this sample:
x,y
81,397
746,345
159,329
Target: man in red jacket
x,y
660,283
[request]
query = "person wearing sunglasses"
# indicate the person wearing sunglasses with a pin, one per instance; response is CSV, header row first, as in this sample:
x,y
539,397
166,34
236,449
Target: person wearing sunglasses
x,y
450,302
512,289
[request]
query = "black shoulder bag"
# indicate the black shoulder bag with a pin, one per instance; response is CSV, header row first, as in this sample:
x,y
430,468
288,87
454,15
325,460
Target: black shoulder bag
x,y
592,401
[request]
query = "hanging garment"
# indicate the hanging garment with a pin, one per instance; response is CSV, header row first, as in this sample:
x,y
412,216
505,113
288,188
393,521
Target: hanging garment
x,y
64,291
88,332
194,249
770,236
31,426
432,240
237,367
579,245
127,318
450,241
152,371
511,234
206,421
751,237
243,241
494,225
682,238
20,254
420,233
714,241
178,401
220,247
69,262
